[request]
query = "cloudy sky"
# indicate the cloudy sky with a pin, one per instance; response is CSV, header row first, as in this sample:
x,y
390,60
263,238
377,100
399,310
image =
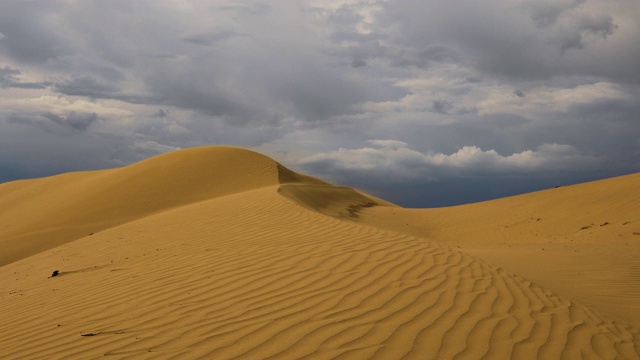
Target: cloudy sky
x,y
424,103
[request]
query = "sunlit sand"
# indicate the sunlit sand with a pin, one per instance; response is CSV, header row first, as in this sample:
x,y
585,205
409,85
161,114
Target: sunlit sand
x,y
221,253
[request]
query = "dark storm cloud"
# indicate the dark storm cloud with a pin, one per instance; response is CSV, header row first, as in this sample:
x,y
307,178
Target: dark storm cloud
x,y
8,76
437,179
519,93
86,86
77,121
527,42
208,39
30,41
456,95
441,106
601,26
31,85
161,113
545,13
380,44
259,8
12,171
239,73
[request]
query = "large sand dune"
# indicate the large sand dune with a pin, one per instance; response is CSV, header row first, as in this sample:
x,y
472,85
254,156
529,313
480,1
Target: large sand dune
x,y
581,241
222,253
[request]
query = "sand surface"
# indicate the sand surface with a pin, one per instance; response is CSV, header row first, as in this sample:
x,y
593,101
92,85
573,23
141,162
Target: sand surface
x,y
222,253
581,241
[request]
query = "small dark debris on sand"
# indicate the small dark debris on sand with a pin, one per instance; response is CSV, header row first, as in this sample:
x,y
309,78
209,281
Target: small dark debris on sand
x,y
90,334
55,273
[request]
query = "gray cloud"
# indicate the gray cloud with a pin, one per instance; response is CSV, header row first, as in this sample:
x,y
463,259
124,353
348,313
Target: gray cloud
x,y
86,86
511,42
441,106
574,38
161,113
545,13
77,121
8,76
30,42
208,39
435,179
92,88
459,96
394,157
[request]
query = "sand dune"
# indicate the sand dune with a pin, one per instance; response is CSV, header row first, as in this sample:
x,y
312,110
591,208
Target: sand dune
x,y
226,254
43,213
581,241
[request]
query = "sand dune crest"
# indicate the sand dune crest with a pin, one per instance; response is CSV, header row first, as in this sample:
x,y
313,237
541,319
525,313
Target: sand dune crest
x,y
42,213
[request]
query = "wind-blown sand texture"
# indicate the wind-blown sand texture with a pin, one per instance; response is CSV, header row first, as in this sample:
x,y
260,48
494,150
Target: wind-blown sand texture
x,y
222,253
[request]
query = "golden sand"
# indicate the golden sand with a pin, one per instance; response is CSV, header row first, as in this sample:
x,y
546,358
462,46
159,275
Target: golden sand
x,y
222,253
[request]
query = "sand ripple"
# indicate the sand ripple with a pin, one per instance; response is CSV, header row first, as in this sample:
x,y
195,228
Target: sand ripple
x,y
255,276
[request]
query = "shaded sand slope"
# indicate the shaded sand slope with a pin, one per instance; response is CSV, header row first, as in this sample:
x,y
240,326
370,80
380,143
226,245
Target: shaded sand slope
x,y
241,271
253,276
338,202
581,241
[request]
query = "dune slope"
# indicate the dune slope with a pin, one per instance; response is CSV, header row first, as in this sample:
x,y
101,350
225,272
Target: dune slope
x,y
581,241
249,273
43,213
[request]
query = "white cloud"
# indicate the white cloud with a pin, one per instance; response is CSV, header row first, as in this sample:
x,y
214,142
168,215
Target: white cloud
x,y
393,144
395,157
150,148
61,105
540,100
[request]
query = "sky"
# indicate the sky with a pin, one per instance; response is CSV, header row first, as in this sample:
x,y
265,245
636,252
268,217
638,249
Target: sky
x,y
425,103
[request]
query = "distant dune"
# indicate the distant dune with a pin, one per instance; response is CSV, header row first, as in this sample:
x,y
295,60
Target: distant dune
x,y
221,253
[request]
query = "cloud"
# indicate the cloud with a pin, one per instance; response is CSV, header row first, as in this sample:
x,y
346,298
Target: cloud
x,y
530,41
431,179
86,86
8,76
150,148
441,106
545,12
575,35
208,39
520,94
394,157
161,113
33,41
388,144
9,79
77,121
